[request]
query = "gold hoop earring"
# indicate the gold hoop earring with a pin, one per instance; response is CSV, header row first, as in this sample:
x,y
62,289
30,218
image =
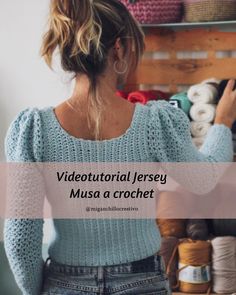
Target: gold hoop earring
x,y
125,67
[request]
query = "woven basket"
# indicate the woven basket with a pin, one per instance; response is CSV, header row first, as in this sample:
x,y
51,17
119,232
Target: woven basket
x,y
153,11
209,10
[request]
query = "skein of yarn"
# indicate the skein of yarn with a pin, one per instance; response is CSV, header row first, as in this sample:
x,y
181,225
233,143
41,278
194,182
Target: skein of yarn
x,y
170,256
224,264
198,141
203,96
197,229
202,112
194,266
172,227
203,93
199,129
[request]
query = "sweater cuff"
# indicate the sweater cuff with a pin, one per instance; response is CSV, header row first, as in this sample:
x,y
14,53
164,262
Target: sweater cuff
x,y
31,284
219,143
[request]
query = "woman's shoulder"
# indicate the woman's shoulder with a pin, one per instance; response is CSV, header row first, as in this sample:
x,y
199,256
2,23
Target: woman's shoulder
x,y
163,113
23,141
28,119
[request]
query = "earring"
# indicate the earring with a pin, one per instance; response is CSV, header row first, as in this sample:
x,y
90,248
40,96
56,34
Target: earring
x,y
125,67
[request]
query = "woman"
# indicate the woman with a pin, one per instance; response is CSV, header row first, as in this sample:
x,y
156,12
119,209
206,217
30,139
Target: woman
x,y
100,43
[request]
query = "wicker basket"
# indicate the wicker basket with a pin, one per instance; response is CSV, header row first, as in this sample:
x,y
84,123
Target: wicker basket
x,y
153,11
209,10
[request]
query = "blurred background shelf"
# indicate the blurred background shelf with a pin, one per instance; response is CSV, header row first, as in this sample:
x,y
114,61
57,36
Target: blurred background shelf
x,y
186,25
179,293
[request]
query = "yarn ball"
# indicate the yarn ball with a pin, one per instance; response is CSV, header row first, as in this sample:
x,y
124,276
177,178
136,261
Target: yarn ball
x,y
197,229
195,253
172,227
184,103
224,265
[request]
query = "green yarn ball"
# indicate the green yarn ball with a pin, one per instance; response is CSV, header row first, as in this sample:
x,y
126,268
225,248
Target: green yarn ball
x,y
184,102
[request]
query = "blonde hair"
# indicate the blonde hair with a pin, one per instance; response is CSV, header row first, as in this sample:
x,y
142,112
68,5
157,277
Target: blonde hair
x,y
84,31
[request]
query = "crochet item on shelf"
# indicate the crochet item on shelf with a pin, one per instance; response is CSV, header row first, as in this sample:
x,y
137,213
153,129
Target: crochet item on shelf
x,y
182,101
152,11
209,10
158,133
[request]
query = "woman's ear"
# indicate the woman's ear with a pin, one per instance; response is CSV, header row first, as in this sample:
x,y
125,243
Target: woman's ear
x,y
118,49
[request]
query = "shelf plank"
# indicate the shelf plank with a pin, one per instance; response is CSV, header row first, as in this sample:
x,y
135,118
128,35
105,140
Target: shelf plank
x,y
164,72
184,24
199,40
179,293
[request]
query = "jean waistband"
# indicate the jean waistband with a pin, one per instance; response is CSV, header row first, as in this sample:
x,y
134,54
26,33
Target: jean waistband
x,y
148,264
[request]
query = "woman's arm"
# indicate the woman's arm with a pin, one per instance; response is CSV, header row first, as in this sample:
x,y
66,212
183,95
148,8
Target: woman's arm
x,y
23,236
170,138
170,142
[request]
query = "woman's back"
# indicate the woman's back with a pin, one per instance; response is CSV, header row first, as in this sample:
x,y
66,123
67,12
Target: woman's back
x,y
157,132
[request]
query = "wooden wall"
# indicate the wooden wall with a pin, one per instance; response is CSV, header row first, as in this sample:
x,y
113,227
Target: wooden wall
x,y
175,67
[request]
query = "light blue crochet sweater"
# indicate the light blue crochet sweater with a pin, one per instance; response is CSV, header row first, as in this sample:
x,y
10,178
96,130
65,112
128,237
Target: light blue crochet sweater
x,y
158,132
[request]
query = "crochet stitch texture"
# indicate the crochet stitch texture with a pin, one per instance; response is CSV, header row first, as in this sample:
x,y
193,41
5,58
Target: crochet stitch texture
x,y
152,11
158,133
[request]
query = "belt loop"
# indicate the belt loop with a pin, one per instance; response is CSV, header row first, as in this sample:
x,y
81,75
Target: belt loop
x,y
157,262
46,264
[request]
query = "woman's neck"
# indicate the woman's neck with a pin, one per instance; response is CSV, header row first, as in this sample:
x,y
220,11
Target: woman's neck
x,y
106,87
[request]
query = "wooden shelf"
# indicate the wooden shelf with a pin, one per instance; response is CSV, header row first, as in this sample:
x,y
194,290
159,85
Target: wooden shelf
x,y
179,293
184,24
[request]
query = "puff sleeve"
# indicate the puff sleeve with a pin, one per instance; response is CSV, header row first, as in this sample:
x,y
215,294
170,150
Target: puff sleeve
x,y
23,237
170,142
170,138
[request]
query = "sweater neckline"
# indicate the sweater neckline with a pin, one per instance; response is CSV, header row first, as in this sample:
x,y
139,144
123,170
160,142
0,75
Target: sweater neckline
x,y
67,134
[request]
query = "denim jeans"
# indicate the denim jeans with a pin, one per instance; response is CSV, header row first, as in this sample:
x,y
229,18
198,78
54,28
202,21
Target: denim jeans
x,y
142,277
